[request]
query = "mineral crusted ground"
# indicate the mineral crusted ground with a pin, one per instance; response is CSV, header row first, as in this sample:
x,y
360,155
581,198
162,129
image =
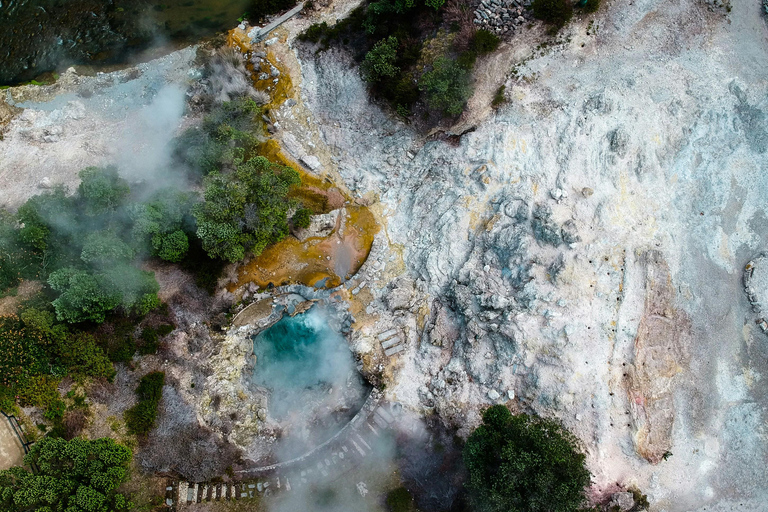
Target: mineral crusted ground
x,y
582,249
578,253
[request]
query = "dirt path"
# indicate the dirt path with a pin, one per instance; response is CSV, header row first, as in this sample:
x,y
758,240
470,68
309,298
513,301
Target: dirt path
x,y
11,451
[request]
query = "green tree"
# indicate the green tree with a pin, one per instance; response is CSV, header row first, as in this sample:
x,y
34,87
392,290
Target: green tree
x,y
524,463
101,190
446,86
172,246
82,296
225,133
16,260
160,225
246,210
104,248
48,227
379,62
72,476
136,289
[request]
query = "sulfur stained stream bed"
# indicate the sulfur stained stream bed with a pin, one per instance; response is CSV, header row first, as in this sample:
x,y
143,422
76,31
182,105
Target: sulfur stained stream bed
x,y
322,262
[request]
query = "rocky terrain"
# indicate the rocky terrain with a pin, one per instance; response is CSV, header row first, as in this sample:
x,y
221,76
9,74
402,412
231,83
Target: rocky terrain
x,y
579,252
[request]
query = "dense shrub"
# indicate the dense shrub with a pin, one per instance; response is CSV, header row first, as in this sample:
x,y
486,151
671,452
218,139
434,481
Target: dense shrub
x,y
370,32
150,338
246,210
150,341
86,246
524,463
160,225
71,476
591,5
399,500
379,62
499,98
102,190
16,261
302,218
35,352
485,41
555,12
314,33
228,133
206,270
446,86
140,418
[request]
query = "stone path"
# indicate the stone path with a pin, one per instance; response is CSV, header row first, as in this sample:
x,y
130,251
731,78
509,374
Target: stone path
x,y
11,449
391,342
331,460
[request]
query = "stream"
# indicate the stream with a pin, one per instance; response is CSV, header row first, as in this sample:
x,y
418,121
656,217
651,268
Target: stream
x,y
39,37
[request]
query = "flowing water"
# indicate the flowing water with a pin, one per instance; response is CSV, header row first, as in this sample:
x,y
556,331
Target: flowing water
x,y
39,36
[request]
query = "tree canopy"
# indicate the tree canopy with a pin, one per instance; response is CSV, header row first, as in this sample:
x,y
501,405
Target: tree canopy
x,y
446,86
246,210
73,476
524,463
380,61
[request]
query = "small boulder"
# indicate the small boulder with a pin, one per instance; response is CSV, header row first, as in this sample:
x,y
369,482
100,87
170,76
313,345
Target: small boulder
x,y
623,500
312,162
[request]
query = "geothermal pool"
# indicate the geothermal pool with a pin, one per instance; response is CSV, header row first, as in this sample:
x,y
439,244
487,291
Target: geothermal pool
x,y
309,370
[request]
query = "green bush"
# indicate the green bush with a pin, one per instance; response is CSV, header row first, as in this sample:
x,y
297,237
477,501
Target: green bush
x,y
206,270
485,41
16,262
76,475
140,418
101,190
591,5
499,98
151,387
82,296
446,86
524,463
399,500
555,12
150,341
55,410
246,210
227,133
302,218
35,352
379,62
314,33
466,60
172,246
165,329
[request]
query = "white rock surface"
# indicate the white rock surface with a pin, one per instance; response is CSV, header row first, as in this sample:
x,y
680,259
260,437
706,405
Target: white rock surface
x,y
653,136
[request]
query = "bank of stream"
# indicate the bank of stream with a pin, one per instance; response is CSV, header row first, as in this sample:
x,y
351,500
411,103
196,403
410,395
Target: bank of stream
x,y
44,36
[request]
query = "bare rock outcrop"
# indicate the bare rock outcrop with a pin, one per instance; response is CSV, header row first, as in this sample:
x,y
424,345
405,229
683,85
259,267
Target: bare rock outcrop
x,y
661,352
